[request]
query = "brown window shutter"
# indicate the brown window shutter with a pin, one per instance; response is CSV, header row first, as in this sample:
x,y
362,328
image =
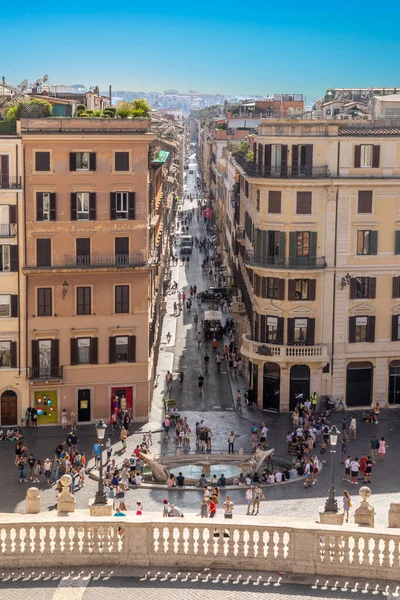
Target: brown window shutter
x,y
73,206
12,213
53,214
312,287
264,288
14,259
5,171
14,305
371,329
352,330
395,320
39,206
13,355
309,156
113,206
112,350
268,155
131,205
92,206
35,354
55,353
257,285
94,351
376,150
263,328
290,332
397,242
396,287
284,157
281,285
279,333
74,351
72,161
357,156
372,287
256,327
92,161
132,348
353,288
304,203
365,201
291,289
274,202
310,332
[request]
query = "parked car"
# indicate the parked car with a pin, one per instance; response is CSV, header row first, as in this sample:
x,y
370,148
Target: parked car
x,y
213,293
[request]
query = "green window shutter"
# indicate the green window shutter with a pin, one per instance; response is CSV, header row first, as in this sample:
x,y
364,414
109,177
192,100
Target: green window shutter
x,y
373,242
292,246
397,242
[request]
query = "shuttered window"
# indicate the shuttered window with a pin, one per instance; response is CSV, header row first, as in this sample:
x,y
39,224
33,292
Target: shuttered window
x,y
274,202
303,203
45,302
122,161
43,253
42,161
122,298
364,202
84,300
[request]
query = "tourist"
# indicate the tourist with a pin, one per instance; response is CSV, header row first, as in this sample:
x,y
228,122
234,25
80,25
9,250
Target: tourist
x,y
47,470
21,465
218,360
165,508
212,509
138,478
174,511
27,417
108,450
171,481
382,449
248,479
122,436
215,495
202,481
374,445
204,509
264,435
37,471
249,499
353,427
368,470
347,464
256,477
201,382
228,507
34,418
64,418
293,473
96,454
323,452
222,481
180,480
139,508
346,504
241,479
166,425
355,468
257,497
343,449
363,463
214,480
279,476
231,442
31,465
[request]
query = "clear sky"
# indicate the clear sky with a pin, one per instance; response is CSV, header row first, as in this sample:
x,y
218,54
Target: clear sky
x,y
226,47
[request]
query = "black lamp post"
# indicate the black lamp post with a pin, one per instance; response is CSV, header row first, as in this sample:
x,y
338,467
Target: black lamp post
x,y
100,497
331,502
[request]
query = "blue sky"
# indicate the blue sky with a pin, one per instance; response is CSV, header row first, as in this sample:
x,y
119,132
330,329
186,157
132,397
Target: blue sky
x,y
226,47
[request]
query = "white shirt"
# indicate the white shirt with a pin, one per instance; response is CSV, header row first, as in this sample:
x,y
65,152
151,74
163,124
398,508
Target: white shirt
x,y
138,479
271,478
293,474
355,466
249,494
264,432
347,463
248,481
353,423
278,477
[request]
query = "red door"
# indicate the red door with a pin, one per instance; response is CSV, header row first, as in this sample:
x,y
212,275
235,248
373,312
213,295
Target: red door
x,y
124,397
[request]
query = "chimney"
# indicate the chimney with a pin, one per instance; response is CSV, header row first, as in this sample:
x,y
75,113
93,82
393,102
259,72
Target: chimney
x,y
3,80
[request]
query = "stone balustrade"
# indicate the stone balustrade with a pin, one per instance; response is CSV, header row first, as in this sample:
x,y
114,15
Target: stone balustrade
x,y
241,544
283,353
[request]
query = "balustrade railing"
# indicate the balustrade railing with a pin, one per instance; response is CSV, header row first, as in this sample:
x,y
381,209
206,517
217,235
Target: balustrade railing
x,y
316,352
260,544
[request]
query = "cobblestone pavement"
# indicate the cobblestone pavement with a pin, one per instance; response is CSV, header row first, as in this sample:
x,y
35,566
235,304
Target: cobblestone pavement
x,y
153,585
215,405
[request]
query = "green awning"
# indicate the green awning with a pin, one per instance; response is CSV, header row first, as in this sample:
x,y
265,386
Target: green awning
x,y
160,157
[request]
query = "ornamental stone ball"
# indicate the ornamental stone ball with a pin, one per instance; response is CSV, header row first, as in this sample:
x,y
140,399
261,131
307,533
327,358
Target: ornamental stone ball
x,y
66,481
365,493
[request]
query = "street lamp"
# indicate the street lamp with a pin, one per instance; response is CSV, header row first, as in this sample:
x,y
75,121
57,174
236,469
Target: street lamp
x,y
100,497
331,502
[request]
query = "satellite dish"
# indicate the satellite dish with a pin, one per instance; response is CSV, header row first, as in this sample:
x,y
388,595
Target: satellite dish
x,y
38,81
45,78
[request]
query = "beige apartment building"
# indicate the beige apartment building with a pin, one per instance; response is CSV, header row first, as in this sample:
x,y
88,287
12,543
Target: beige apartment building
x,y
314,227
94,236
13,385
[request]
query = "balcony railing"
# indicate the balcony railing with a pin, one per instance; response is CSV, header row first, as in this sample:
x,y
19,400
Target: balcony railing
x,y
104,260
10,183
282,353
295,172
45,373
8,230
291,262
240,233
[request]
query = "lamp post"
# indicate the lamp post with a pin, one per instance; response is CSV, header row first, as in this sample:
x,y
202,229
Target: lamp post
x,y
331,502
100,497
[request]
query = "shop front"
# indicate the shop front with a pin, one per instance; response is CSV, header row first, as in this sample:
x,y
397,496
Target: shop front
x,y
271,389
359,377
122,399
46,404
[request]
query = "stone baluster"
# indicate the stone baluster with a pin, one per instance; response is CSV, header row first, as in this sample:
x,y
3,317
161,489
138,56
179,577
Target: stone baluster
x,y
238,540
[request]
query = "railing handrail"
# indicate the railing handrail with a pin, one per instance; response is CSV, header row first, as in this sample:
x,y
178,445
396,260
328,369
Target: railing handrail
x,y
91,261
285,262
286,350
10,183
8,229
253,169
51,372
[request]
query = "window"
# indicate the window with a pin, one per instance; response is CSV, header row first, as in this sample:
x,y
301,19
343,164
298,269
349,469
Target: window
x,y
122,251
43,253
45,302
82,161
362,287
364,202
83,251
121,199
395,328
5,354
46,206
272,330
301,289
5,258
83,351
83,301
273,243
5,305
82,205
300,331
274,202
302,243
45,361
42,161
122,298
303,205
367,242
273,288
276,157
122,161
121,345
366,155
361,329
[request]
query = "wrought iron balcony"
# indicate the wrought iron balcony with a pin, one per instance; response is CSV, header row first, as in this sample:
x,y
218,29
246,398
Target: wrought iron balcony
x,y
10,183
45,373
291,262
8,230
99,261
240,233
252,169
